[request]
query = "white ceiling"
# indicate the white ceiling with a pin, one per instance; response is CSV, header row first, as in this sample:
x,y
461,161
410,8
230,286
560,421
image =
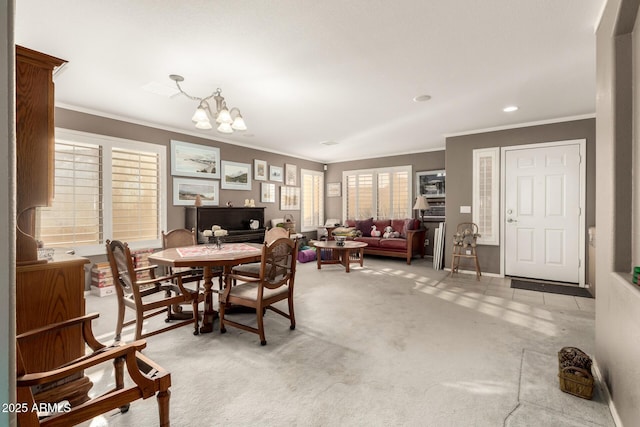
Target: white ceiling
x,y
307,71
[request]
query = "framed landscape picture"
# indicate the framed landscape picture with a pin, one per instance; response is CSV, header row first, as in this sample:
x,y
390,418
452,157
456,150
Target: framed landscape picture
x,y
289,198
290,173
267,192
236,176
275,173
259,170
186,190
333,189
194,160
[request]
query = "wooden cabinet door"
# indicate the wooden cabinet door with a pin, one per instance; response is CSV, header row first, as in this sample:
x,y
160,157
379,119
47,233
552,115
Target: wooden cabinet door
x,y
46,294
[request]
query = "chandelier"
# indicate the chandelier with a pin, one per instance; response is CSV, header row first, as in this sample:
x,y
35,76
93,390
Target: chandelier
x,y
227,119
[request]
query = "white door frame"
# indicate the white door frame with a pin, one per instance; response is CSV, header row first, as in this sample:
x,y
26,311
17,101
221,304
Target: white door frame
x,y
582,143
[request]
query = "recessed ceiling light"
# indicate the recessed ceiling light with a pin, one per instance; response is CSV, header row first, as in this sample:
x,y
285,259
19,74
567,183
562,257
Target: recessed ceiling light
x,y
510,109
421,98
329,143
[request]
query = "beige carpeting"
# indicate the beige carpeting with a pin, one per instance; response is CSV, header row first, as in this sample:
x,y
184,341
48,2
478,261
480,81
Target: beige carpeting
x,y
387,344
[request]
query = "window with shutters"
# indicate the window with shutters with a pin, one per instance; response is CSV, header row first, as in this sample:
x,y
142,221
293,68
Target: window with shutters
x,y
312,214
486,180
105,188
381,193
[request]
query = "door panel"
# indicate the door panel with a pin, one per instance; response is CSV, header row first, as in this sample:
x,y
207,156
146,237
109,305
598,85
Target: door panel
x,y
542,201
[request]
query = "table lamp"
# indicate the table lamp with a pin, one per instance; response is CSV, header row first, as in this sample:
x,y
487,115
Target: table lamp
x,y
421,205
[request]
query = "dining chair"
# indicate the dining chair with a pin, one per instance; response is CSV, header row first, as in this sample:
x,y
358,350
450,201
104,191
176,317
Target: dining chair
x,y
274,283
148,297
252,269
61,395
181,237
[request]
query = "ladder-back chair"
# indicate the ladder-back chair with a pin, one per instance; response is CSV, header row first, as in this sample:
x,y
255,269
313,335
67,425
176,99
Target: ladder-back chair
x,y
464,246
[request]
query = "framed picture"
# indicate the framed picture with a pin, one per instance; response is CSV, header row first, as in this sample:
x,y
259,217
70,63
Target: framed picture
x,y
259,170
267,192
186,190
334,189
431,183
195,160
289,198
275,173
290,174
236,176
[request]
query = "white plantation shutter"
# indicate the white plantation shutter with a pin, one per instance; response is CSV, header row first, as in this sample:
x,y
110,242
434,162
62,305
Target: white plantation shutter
x,y
74,218
135,195
380,193
105,188
485,194
312,199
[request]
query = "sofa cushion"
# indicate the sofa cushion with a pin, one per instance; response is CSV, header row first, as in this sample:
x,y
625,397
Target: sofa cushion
x,y
402,225
371,241
350,223
364,226
394,243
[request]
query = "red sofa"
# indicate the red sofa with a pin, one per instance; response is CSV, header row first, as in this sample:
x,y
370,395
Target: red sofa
x,y
409,244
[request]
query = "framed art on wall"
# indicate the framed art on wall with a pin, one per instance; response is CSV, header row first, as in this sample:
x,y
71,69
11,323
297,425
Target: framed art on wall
x,y
236,176
260,170
275,173
267,192
186,190
194,160
290,174
333,189
289,198
431,183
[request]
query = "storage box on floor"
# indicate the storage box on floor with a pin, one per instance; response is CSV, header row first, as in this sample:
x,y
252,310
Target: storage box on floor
x,y
102,278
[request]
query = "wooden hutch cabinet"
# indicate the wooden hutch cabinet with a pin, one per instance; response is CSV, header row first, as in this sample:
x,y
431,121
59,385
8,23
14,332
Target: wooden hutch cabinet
x,y
53,291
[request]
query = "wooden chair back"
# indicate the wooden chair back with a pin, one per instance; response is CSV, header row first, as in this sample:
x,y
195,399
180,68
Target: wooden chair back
x,y
132,292
275,233
179,237
274,283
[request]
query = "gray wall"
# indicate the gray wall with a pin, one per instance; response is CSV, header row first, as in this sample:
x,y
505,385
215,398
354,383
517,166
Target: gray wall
x,y
175,214
7,214
430,160
459,165
618,300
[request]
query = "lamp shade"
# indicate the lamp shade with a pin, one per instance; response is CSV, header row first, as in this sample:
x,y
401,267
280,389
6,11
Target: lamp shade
x,y
421,203
238,123
204,124
224,116
200,116
225,128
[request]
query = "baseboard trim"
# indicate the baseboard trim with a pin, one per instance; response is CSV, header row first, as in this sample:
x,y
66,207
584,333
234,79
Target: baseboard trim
x,y
473,272
607,395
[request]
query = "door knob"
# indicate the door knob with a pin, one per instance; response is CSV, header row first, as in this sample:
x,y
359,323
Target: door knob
x,y
511,220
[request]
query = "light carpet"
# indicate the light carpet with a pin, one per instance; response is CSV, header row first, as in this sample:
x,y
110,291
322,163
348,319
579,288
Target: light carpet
x,y
387,344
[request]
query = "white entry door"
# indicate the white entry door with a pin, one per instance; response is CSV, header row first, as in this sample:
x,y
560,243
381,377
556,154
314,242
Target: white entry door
x,y
542,213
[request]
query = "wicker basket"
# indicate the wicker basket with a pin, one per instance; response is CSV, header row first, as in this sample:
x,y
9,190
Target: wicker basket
x,y
289,224
574,372
576,381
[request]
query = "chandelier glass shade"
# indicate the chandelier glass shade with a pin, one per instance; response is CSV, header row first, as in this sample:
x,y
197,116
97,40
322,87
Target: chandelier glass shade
x,y
227,120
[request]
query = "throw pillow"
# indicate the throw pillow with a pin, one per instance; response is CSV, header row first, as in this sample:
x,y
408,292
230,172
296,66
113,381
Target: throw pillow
x,y
364,226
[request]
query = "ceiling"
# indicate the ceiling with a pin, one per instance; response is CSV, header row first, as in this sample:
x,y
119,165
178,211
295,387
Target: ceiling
x,y
304,72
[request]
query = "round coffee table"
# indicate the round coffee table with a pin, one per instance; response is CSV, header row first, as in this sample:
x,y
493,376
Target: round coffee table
x,y
345,254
